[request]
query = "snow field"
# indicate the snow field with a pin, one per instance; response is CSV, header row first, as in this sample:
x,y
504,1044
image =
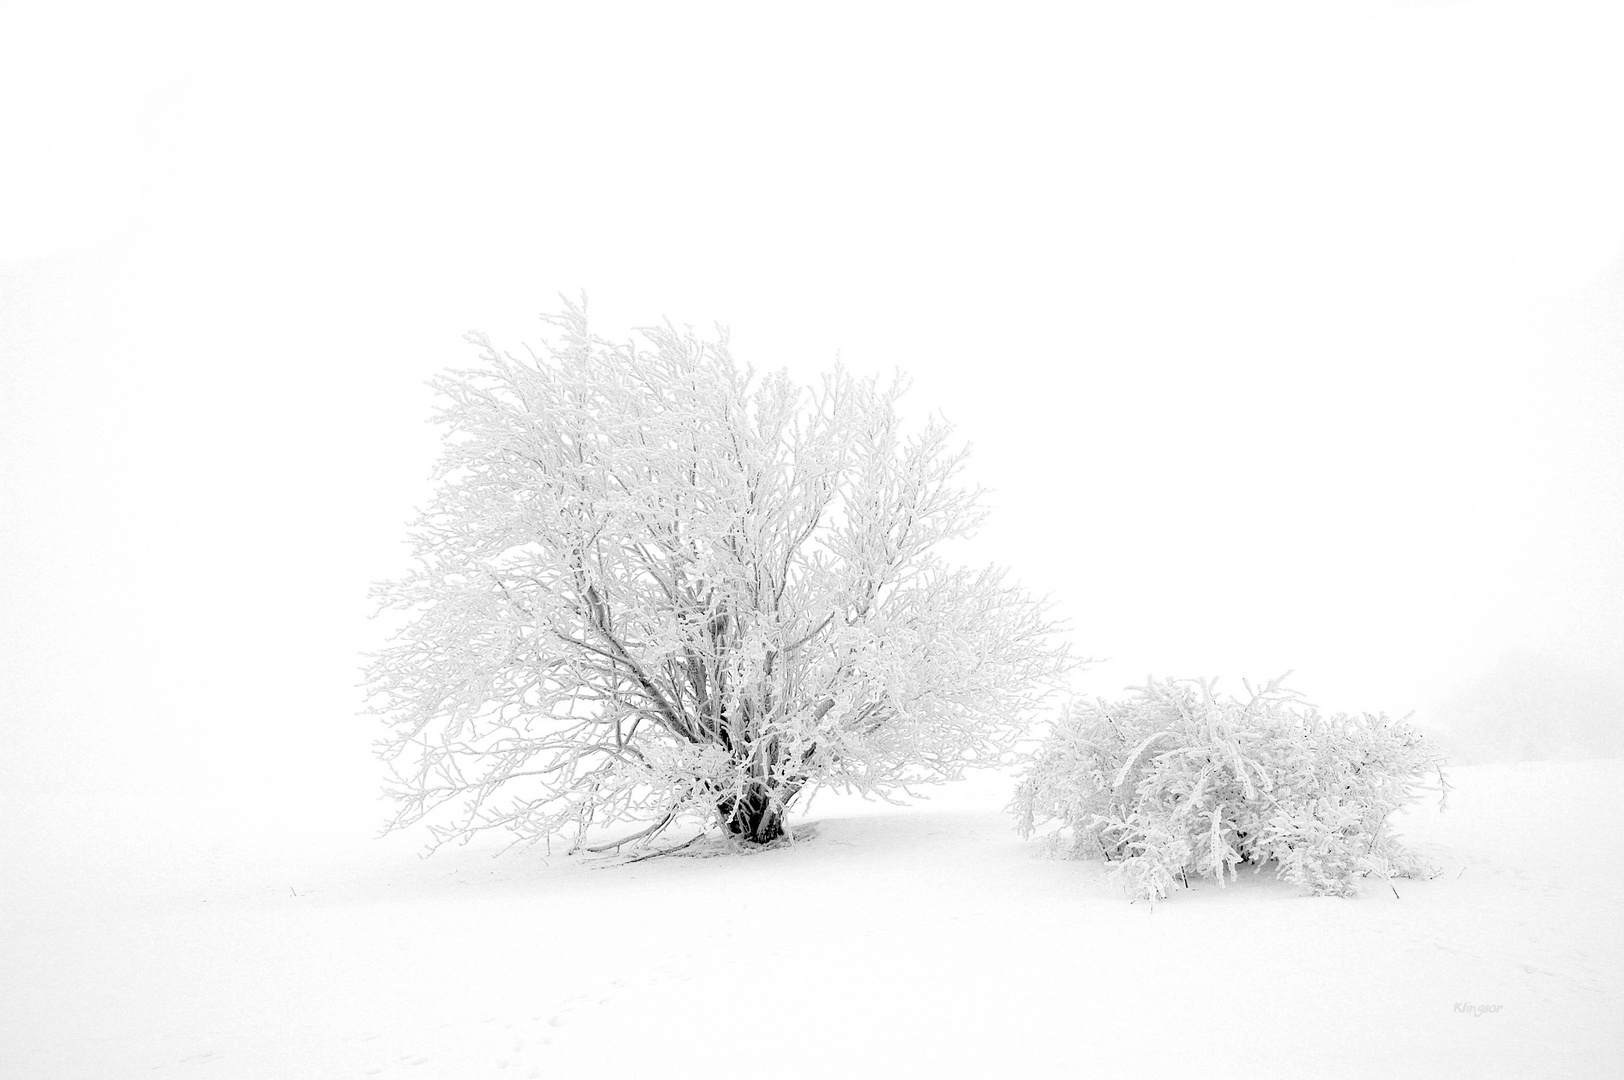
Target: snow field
x,y
923,940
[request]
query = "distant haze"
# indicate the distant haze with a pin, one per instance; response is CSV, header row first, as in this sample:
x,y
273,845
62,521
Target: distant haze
x,y
1530,707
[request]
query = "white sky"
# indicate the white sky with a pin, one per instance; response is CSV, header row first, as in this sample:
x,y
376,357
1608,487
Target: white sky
x,y
1291,335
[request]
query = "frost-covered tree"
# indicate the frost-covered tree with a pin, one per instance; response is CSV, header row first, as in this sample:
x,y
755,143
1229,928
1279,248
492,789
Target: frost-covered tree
x,y
652,586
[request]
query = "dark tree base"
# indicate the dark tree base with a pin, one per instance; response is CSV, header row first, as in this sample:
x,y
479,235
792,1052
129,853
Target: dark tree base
x,y
757,817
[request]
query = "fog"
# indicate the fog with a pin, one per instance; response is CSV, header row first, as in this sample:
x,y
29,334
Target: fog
x,y
1288,337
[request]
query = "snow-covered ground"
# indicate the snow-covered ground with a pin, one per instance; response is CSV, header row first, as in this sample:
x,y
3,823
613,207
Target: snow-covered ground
x,y
918,941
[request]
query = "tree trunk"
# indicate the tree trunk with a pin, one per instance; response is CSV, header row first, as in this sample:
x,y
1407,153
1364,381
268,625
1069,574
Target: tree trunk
x,y
757,816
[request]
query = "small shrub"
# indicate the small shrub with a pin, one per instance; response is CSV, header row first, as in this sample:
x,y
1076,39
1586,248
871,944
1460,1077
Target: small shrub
x,y
1177,781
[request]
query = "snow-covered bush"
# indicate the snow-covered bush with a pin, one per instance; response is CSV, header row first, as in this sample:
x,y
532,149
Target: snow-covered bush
x,y
653,586
1177,780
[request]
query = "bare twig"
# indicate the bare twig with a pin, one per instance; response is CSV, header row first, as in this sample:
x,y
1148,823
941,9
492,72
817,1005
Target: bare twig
x,y
665,851
649,833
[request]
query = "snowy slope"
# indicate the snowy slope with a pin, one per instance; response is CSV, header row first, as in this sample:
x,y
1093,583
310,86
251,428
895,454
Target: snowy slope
x,y
921,941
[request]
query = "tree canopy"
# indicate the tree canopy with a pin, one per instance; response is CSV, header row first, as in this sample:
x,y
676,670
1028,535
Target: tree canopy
x,y
651,585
